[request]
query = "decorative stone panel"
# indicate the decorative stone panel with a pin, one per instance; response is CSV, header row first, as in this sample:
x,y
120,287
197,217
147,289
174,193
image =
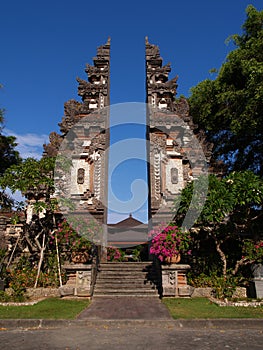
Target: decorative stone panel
x,y
174,280
79,280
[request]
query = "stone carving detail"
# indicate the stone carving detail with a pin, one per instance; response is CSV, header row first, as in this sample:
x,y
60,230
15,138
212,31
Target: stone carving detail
x,y
81,176
152,51
54,143
172,278
174,175
160,90
157,175
87,143
97,176
167,119
158,142
94,93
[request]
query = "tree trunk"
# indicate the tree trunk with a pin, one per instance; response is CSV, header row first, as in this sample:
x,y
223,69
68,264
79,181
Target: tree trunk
x,y
11,257
58,261
40,259
222,256
240,263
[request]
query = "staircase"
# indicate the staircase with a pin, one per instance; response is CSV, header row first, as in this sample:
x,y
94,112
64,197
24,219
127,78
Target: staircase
x,y
126,279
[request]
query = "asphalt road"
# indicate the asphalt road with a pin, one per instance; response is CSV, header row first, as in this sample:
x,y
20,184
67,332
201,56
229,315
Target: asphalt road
x,y
131,337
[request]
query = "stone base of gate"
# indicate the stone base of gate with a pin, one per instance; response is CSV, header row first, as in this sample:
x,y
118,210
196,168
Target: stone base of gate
x,y
174,281
79,281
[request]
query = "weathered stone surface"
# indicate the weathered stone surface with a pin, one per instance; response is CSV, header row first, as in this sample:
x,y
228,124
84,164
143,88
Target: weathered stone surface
x,y
174,280
171,131
256,288
240,292
79,281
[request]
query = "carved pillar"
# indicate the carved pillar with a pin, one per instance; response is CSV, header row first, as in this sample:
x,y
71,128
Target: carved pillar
x,y
170,128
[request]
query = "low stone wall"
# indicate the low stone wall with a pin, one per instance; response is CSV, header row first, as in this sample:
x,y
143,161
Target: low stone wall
x,y
37,293
240,292
237,303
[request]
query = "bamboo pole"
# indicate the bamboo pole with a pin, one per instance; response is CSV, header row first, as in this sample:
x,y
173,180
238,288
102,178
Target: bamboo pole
x,y
58,261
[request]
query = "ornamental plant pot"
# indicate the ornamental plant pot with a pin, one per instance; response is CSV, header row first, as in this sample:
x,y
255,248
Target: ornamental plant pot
x,y
175,259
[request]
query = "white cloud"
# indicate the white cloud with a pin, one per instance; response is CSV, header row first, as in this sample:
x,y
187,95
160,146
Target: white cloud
x,y
29,145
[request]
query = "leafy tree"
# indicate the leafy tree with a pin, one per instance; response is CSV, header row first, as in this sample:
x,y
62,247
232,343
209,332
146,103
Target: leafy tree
x,y
8,154
30,175
231,214
229,108
8,157
34,178
45,229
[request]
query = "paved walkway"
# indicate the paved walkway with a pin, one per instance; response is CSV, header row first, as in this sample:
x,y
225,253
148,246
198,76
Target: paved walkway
x,y
124,307
131,337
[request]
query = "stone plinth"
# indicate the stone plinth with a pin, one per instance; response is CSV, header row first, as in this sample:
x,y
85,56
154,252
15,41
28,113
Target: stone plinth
x,y
79,280
256,288
174,281
256,285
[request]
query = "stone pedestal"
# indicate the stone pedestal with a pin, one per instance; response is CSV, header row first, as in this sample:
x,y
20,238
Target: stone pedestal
x,y
79,280
256,288
174,281
256,285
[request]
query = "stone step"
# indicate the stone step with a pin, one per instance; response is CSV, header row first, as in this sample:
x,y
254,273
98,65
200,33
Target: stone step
x,y
128,278
124,288
125,265
126,268
139,274
147,295
106,279
122,283
138,291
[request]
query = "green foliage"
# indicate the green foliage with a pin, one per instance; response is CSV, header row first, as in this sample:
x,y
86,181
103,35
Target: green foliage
x,y
23,275
8,157
3,254
168,241
115,254
8,154
69,239
140,252
238,193
253,251
230,107
224,287
30,175
232,214
4,297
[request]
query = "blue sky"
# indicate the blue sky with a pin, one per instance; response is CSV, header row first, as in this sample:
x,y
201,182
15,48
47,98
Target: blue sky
x,y
45,46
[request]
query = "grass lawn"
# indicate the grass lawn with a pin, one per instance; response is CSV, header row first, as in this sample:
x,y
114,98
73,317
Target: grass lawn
x,y
52,308
204,308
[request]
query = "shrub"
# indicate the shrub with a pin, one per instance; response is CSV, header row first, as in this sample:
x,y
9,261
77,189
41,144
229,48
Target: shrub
x,y
115,254
169,241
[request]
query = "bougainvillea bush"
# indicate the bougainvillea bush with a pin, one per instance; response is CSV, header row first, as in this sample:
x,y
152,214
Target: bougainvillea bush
x,y
70,240
115,254
168,241
253,251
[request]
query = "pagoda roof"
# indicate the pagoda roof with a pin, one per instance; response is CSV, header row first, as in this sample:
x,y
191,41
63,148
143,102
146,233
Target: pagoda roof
x,y
128,222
